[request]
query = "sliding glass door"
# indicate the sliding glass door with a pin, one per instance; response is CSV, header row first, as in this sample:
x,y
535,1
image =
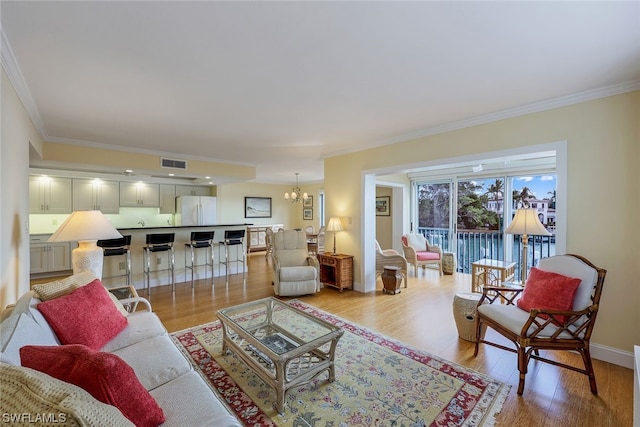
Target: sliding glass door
x,y
471,220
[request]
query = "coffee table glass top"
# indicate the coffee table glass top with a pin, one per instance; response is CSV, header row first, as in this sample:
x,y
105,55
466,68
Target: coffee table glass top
x,y
277,325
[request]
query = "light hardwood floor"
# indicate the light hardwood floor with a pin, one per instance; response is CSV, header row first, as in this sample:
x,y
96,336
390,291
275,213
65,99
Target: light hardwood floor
x,y
421,315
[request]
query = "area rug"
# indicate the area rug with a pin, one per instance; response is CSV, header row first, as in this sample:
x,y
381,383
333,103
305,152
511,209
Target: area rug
x,y
379,382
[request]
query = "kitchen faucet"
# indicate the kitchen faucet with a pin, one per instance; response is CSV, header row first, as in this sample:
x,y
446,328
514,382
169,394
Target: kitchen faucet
x,y
141,222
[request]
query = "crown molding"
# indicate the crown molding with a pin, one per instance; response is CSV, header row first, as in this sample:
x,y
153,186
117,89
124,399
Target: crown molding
x,y
111,147
522,110
10,66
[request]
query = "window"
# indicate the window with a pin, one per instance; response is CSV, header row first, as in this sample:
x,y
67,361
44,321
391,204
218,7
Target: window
x,y
471,221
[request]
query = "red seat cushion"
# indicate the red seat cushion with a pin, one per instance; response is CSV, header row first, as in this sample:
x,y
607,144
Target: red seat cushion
x,y
85,316
548,290
427,256
105,376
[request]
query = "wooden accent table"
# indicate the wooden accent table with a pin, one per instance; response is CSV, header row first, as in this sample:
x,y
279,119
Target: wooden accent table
x,y
492,272
336,270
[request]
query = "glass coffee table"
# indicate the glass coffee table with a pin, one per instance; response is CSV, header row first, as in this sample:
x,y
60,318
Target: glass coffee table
x,y
284,346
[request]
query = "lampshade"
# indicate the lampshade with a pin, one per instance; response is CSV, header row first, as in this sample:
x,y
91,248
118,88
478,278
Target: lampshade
x,y
526,221
334,224
86,227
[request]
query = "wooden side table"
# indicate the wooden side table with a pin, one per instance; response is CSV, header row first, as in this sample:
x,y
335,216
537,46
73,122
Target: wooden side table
x,y
336,270
391,279
491,272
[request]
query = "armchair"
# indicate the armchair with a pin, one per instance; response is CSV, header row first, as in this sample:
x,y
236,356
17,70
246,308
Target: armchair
x,y
537,320
418,251
392,258
294,271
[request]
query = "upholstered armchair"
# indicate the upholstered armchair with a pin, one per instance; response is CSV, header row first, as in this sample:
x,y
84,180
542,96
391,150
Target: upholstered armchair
x,y
294,271
390,257
418,251
555,310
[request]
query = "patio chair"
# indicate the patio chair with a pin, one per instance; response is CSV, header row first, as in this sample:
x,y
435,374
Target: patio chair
x,y
556,311
418,251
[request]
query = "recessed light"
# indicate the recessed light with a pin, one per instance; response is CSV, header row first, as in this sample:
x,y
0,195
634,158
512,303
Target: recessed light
x,y
172,174
207,177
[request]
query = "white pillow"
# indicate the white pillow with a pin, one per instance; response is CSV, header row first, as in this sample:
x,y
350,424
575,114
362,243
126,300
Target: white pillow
x,y
25,332
417,241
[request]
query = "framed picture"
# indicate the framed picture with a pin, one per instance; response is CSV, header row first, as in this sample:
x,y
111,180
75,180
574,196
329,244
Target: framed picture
x,y
382,206
257,207
307,213
308,202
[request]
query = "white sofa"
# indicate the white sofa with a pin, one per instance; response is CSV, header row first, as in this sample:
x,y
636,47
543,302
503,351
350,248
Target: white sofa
x,y
144,344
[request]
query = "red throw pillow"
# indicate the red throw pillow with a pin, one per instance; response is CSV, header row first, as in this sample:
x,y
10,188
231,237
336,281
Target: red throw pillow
x,y
85,316
548,290
105,376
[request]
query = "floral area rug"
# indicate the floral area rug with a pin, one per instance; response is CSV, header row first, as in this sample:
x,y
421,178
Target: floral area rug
x,y
379,382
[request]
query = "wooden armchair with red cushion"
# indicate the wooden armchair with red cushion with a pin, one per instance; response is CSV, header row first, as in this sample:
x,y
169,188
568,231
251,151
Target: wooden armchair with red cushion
x,y
418,251
555,310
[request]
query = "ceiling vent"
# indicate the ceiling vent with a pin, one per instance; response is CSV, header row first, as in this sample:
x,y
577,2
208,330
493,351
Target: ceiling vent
x,y
173,164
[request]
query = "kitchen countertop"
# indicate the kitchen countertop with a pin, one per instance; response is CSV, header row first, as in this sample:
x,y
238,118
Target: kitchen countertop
x,y
182,226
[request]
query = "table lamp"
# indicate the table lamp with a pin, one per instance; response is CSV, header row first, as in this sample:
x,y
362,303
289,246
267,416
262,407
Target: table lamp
x,y
334,225
86,227
526,223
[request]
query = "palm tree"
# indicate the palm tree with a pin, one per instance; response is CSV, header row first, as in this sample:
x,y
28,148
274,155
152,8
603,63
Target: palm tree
x,y
496,189
552,200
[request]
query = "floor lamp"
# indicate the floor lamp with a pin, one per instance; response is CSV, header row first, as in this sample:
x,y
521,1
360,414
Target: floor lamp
x,y
86,227
334,225
526,223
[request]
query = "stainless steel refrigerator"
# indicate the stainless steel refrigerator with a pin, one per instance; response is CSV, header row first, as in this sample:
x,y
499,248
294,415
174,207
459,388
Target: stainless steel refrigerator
x,y
196,210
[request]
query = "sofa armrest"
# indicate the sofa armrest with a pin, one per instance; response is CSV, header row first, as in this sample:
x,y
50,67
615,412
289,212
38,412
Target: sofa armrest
x,y
134,302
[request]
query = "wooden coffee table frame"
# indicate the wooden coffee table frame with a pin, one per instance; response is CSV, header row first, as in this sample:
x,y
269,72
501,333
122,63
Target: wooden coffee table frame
x,y
297,366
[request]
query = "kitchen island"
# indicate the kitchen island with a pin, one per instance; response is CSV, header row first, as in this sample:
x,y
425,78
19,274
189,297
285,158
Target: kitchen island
x,y
59,262
114,267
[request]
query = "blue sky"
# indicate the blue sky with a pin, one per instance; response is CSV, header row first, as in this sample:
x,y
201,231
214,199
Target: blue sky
x,y
540,185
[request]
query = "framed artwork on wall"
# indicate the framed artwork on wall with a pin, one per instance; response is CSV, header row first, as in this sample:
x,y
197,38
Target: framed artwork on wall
x,y
307,213
257,207
308,202
382,206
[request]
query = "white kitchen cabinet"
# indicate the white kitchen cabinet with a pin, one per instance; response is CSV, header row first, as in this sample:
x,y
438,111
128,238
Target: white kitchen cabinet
x,y
96,194
138,194
192,190
48,257
167,199
49,195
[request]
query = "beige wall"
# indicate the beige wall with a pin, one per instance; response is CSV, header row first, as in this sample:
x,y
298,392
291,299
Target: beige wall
x,y
384,224
231,204
67,153
603,191
17,133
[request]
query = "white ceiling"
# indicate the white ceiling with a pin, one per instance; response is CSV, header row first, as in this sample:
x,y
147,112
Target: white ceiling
x,y
281,85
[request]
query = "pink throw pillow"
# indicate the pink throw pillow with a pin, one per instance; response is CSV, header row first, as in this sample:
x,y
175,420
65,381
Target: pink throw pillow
x,y
105,376
85,316
548,290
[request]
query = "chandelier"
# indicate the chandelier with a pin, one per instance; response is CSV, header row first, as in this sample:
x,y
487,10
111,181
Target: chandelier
x,y
296,195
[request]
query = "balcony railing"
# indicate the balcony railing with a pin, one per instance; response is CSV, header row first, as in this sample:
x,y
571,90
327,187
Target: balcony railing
x,y
472,245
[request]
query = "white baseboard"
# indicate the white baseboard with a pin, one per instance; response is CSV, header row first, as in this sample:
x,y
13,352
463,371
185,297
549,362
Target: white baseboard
x,y
612,355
